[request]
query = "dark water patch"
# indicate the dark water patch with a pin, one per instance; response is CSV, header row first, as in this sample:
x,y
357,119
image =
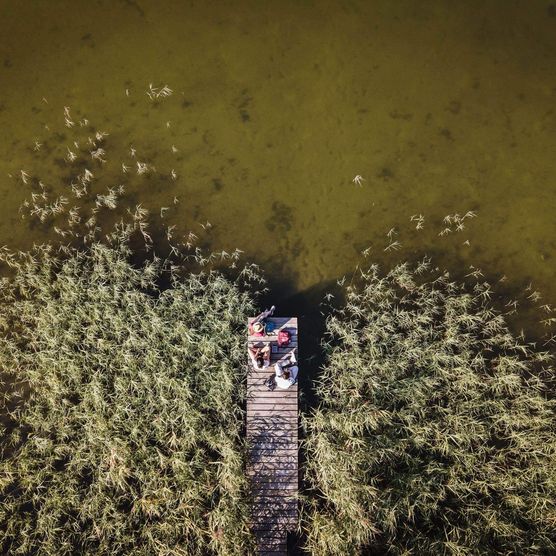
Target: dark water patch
x,y
385,173
454,107
447,134
282,218
217,184
397,115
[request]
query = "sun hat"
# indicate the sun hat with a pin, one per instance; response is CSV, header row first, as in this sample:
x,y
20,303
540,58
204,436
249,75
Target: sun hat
x,y
258,327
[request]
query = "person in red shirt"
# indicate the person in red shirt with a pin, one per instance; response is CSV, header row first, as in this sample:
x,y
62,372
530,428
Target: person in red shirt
x,y
258,324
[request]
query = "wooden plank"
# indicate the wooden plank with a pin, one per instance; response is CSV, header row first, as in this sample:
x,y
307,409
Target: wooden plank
x,y
279,532
264,442
286,401
271,395
283,427
283,410
273,463
273,474
275,535
265,550
262,510
264,519
269,405
268,480
283,470
282,442
270,447
273,455
266,501
256,389
270,539
258,430
277,518
264,483
263,432
262,388
278,449
274,451
288,411
269,402
258,379
267,485
258,382
274,489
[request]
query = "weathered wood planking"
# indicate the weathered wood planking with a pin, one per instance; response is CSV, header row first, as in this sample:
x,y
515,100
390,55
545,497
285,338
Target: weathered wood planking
x,y
272,426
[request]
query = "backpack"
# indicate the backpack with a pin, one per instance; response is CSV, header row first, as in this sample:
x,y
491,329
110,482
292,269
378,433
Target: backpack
x,y
284,338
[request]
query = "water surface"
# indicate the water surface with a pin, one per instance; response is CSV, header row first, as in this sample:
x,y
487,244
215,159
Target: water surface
x,y
441,107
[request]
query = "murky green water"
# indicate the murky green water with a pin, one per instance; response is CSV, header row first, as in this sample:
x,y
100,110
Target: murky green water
x,y
441,107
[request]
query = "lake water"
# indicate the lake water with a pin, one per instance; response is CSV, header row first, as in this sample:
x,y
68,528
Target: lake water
x,y
440,107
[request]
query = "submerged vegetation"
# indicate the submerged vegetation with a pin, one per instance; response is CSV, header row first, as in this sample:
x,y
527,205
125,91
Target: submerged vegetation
x,y
122,431
434,434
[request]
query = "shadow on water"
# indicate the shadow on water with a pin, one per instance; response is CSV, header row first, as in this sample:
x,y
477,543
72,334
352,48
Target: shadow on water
x,y
306,306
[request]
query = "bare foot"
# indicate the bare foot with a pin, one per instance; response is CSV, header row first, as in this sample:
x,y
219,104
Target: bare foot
x,y
292,355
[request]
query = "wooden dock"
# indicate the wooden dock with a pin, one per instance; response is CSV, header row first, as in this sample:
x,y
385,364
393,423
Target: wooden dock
x,y
272,425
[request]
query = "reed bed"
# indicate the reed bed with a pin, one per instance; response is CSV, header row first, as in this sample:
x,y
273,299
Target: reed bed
x,y
122,425
435,433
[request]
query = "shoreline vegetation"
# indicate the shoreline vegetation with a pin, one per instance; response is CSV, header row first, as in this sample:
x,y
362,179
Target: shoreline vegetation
x,y
435,430
123,390
124,425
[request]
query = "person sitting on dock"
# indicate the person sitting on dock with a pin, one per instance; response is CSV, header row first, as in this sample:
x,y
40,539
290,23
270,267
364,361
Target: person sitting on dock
x,y
286,372
259,322
260,356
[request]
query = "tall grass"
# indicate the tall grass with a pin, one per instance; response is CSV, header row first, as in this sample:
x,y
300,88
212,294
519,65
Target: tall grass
x,y
122,406
434,433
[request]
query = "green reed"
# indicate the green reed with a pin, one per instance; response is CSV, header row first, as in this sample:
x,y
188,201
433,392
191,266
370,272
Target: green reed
x,y
434,433
122,405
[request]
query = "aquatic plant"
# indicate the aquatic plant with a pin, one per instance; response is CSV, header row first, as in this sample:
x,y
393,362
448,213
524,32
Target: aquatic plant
x,y
121,429
435,433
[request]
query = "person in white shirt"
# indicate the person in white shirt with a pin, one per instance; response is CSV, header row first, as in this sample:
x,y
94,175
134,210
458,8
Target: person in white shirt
x,y
286,371
260,356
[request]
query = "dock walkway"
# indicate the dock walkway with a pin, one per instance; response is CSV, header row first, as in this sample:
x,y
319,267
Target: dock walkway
x,y
272,425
